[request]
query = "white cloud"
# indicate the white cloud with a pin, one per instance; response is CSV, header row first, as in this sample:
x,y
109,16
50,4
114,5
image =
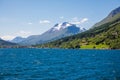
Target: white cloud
x,y
21,33
61,17
77,22
84,20
24,32
44,21
30,23
7,37
75,19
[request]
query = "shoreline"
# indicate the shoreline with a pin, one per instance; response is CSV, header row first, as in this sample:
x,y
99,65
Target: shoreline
x,y
55,48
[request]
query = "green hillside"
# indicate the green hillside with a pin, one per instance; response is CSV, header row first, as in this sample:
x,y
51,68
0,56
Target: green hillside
x,y
106,36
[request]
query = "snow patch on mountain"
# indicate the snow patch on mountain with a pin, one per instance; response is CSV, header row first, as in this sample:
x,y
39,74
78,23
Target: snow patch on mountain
x,y
64,25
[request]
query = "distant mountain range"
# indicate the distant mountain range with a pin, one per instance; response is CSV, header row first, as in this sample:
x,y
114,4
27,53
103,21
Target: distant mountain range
x,y
17,39
56,32
104,34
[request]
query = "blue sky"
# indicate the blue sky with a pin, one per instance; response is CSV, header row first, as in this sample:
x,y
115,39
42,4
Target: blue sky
x,y
31,17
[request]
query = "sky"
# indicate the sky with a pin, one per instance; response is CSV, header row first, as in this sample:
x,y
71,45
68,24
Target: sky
x,y
34,17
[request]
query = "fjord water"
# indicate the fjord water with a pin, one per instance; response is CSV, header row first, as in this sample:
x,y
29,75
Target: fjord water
x,y
59,64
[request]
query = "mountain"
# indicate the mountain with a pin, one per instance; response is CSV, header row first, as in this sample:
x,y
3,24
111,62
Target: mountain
x,y
6,43
17,39
114,15
104,35
56,32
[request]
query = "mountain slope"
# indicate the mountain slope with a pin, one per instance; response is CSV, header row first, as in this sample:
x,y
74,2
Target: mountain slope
x,y
5,43
106,35
56,32
17,39
114,15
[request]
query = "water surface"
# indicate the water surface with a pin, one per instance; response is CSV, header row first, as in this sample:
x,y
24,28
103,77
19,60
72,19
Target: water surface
x,y
59,64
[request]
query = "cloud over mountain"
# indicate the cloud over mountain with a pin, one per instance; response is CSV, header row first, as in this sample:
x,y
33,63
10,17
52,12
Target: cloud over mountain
x,y
44,21
77,22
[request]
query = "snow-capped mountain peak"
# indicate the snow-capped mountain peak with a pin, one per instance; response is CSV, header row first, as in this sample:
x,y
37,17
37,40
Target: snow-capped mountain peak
x,y
57,26
82,29
60,26
56,32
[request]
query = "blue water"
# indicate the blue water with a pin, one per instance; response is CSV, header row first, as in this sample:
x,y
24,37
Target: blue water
x,y
59,64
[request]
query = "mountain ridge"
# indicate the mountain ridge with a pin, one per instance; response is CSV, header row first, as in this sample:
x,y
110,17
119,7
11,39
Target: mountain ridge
x,y
112,16
104,36
56,32
17,39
